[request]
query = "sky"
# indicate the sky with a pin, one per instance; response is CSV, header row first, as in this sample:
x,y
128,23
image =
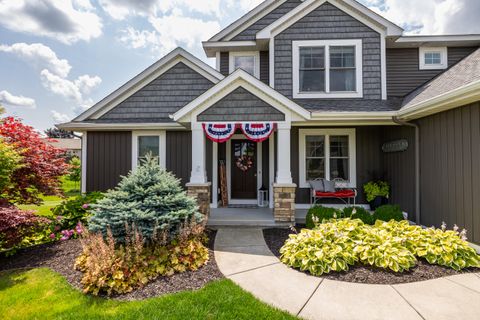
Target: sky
x,y
59,57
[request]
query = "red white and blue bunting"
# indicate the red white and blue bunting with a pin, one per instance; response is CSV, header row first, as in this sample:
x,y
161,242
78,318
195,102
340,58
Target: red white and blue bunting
x,y
258,132
222,132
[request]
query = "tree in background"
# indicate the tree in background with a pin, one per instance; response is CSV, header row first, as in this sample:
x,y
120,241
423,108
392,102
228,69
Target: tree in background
x,y
2,109
55,133
75,171
42,165
9,162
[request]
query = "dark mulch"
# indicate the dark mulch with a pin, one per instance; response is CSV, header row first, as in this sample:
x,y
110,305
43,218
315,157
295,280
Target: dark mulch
x,y
275,238
60,257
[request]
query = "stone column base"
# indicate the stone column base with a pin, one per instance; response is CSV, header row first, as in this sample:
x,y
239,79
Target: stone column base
x,y
284,202
201,192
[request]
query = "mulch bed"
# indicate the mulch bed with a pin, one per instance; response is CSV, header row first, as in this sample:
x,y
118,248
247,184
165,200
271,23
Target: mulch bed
x,y
60,257
275,238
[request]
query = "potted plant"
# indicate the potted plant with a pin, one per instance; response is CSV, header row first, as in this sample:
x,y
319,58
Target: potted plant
x,y
377,193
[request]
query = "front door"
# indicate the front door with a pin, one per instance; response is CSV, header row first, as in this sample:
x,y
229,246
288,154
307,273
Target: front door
x,y
244,169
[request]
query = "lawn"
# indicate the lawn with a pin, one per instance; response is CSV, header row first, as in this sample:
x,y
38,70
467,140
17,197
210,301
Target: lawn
x,y
70,188
43,294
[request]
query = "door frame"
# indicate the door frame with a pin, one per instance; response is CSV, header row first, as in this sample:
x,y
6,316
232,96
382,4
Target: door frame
x,y
258,159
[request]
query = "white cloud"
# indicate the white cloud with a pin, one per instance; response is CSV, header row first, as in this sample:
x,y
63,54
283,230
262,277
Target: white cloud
x,y
68,21
10,100
244,4
40,55
59,117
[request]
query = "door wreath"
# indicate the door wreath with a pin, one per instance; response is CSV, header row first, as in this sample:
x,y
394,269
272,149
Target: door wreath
x,y
244,163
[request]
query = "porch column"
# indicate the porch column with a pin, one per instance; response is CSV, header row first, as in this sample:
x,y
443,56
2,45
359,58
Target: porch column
x,y
284,189
199,187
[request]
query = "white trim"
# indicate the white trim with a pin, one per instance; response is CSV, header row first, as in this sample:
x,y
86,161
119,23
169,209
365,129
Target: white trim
x,y
162,145
271,168
383,65
271,62
255,54
214,203
438,38
352,116
228,164
303,133
148,75
296,45
84,162
443,51
80,126
217,60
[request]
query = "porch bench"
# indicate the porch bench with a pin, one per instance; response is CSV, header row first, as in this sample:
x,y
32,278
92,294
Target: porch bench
x,y
343,194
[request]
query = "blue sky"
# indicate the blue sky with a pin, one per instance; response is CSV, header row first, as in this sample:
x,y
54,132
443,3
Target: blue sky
x,y
60,56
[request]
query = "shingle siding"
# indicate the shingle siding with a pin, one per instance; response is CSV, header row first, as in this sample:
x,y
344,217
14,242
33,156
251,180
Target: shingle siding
x,y
327,22
160,98
265,67
403,73
225,63
241,105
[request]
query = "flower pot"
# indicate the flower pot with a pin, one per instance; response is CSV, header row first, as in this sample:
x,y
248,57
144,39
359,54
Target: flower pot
x,y
378,202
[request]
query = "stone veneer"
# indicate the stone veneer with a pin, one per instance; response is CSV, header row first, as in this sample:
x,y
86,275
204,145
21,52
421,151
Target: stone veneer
x,y
284,202
201,192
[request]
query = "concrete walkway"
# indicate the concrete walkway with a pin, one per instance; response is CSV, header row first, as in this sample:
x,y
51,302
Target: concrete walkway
x,y
243,256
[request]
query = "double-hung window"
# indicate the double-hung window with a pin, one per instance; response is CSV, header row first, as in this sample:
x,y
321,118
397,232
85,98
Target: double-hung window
x,y
148,143
433,58
327,154
327,69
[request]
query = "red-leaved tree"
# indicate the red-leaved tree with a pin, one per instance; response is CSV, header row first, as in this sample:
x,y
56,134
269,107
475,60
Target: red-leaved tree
x,y
42,164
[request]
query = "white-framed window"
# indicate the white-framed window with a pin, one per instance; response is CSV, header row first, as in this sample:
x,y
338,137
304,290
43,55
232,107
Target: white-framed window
x,y
144,142
328,154
327,69
249,61
433,58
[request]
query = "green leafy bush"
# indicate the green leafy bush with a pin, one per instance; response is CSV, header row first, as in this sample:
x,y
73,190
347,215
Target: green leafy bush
x,y
374,189
150,198
388,212
319,214
359,213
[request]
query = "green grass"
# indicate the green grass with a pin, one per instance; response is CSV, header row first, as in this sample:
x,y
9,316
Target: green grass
x,y
69,188
43,294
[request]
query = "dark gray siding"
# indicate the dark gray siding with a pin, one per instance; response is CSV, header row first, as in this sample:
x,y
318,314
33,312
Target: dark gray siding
x,y
241,105
403,73
179,154
265,67
160,98
450,171
109,156
225,63
251,31
329,22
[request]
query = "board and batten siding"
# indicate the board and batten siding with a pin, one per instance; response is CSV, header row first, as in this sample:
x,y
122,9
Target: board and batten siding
x,y
179,154
450,169
109,156
327,22
403,73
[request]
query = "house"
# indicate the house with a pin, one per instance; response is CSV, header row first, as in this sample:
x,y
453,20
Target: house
x,y
302,90
72,147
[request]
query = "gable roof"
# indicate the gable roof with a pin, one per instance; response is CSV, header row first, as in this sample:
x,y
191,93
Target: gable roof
x,y
145,77
352,7
458,85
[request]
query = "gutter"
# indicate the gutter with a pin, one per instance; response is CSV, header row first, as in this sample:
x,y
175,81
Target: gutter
x,y
417,164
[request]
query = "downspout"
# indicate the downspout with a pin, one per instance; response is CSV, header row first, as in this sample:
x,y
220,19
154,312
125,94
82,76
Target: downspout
x,y
417,164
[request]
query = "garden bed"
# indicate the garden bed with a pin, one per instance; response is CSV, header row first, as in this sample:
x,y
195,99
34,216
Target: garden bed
x,y
60,257
275,238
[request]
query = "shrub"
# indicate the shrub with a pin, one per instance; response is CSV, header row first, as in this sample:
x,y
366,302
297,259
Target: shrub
x,y
359,213
75,171
113,269
149,198
321,214
9,162
19,229
387,213
374,189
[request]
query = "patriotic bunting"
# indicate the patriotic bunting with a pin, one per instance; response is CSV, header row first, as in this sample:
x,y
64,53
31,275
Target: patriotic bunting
x,y
222,132
219,132
257,132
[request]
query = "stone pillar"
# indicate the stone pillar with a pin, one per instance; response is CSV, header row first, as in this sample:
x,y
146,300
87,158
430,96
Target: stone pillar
x,y
201,192
284,202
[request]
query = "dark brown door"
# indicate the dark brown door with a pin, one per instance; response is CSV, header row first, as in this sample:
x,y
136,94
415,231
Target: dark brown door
x,y
244,169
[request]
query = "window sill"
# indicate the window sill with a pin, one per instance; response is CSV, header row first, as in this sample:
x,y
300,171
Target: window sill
x,y
324,95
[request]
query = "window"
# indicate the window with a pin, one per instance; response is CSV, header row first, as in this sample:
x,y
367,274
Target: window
x,y
434,58
145,142
327,69
247,61
328,154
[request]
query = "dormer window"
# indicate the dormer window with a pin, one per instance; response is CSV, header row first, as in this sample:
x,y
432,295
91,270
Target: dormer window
x,y
247,61
327,69
434,58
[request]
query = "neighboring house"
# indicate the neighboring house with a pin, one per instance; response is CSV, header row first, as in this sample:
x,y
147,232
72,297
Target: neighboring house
x,y
72,147
337,81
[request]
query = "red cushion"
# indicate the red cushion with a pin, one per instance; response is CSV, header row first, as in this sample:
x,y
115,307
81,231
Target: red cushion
x,y
346,193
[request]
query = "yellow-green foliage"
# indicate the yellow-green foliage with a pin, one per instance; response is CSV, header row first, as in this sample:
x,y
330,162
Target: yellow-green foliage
x,y
334,245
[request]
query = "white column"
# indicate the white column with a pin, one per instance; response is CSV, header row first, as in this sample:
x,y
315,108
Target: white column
x,y
284,175
199,173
